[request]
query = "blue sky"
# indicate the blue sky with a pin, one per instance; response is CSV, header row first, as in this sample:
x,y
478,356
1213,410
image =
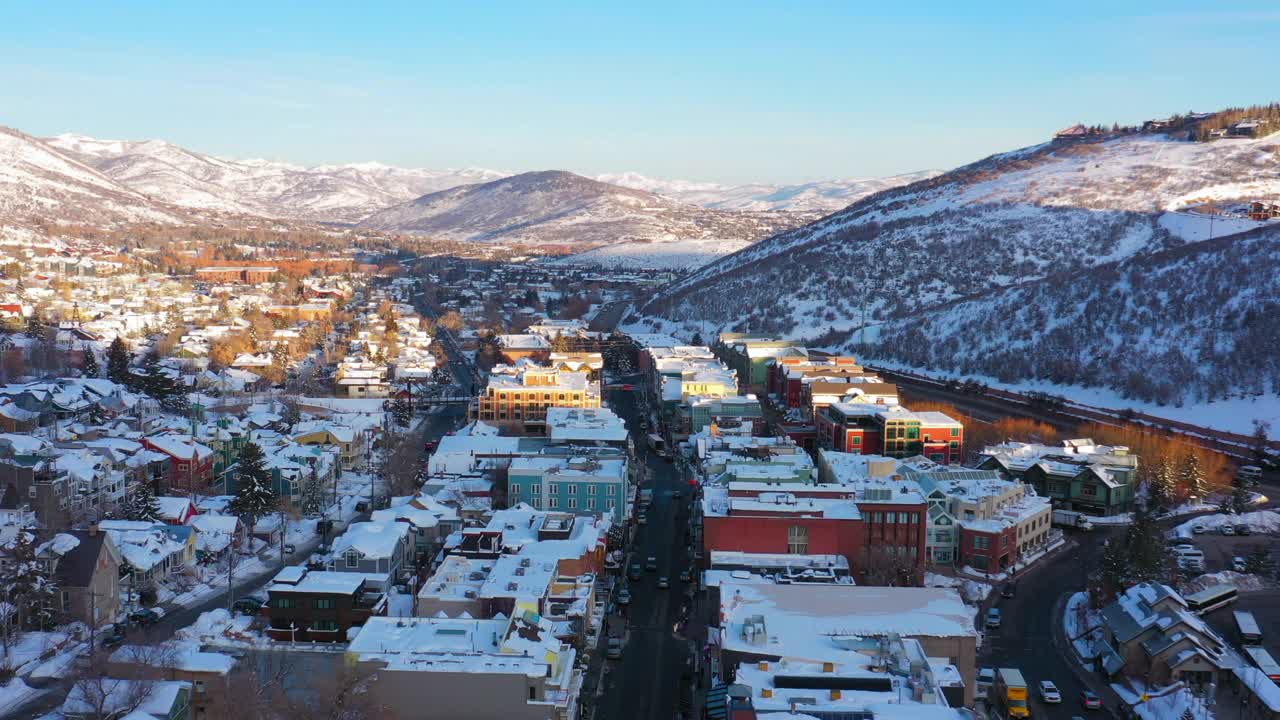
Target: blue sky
x,y
733,92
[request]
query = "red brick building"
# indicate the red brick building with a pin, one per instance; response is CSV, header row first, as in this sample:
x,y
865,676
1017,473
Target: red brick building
x,y
990,546
892,431
800,519
190,466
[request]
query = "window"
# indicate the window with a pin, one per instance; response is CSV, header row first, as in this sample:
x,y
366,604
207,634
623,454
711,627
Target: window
x,y
324,603
515,491
611,490
591,489
198,686
968,514
955,432
282,603
889,518
877,517
553,489
981,542
798,540
535,489
902,518
573,489
855,440
591,503
352,558
546,396
182,467
955,444
1091,490
573,503
324,625
913,432
1004,541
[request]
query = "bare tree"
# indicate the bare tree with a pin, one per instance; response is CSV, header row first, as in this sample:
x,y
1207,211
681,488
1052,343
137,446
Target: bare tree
x,y
403,463
345,694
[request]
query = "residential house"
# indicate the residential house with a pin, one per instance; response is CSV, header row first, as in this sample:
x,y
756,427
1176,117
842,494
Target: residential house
x,y
86,570
1150,633
132,699
381,550
191,464
319,606
208,673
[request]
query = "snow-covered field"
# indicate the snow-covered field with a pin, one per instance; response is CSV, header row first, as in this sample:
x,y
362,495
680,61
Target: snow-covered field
x,y
674,255
1261,522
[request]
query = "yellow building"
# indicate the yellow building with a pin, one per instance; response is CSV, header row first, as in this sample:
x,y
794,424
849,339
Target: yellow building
x,y
520,399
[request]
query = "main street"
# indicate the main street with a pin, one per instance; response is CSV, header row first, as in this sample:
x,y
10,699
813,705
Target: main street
x,y
645,683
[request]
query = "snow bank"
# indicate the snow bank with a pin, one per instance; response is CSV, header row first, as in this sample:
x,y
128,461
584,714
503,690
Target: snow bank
x,y
1240,581
1261,522
973,591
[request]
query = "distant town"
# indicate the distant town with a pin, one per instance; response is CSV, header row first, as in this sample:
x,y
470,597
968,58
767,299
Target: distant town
x,y
252,487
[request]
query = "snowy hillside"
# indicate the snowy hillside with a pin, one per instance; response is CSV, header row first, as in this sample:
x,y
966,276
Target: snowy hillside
x,y
1008,219
1194,323
557,207
38,184
636,255
816,197
329,193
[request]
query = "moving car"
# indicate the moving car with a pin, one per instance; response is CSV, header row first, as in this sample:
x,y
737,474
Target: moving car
x,y
1227,529
634,572
1049,692
651,564
1198,528
615,648
643,519
686,576
1009,590
624,597
1090,701
993,618
663,583
1239,564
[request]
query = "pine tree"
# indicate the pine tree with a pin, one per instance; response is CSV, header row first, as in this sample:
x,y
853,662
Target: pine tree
x,y
1146,547
142,504
1191,475
440,375
1239,500
313,495
27,585
255,496
118,363
97,415
91,369
1113,575
697,339
401,411
1261,453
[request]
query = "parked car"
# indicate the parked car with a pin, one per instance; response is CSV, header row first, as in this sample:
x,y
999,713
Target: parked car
x,y
1182,542
1198,528
663,583
1090,701
624,597
614,650
112,635
289,549
1239,564
1227,529
993,618
651,564
1049,692
248,605
1243,529
146,616
642,518
686,576
1009,590
986,677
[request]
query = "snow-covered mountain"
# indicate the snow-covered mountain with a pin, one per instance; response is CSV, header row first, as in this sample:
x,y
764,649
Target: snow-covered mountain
x,y
1050,210
558,207
327,193
41,185
817,197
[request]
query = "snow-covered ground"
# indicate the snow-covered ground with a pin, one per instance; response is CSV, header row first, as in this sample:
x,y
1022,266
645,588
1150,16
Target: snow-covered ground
x,y
1241,581
673,255
973,591
1081,624
1260,522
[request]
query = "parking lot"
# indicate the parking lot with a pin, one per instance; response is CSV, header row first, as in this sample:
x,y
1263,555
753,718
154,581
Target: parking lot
x,y
1219,549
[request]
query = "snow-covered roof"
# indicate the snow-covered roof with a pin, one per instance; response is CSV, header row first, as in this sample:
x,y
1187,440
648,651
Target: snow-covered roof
x,y
373,540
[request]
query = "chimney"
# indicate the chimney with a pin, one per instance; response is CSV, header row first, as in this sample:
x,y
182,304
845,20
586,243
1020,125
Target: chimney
x,y
828,667
764,665
766,692
835,694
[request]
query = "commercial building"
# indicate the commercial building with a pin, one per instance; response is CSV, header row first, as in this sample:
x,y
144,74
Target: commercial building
x,y
581,485
319,606
518,398
1080,475
890,430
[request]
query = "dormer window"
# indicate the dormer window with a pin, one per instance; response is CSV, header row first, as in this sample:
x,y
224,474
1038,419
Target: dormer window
x,y
353,558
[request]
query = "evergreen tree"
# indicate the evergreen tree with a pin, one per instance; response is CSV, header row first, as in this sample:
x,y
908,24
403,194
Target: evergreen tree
x,y
1239,500
440,375
91,368
697,339
1113,575
313,495
142,504
401,411
1146,546
27,584
255,496
1261,454
1155,479
97,416
1191,476
118,363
